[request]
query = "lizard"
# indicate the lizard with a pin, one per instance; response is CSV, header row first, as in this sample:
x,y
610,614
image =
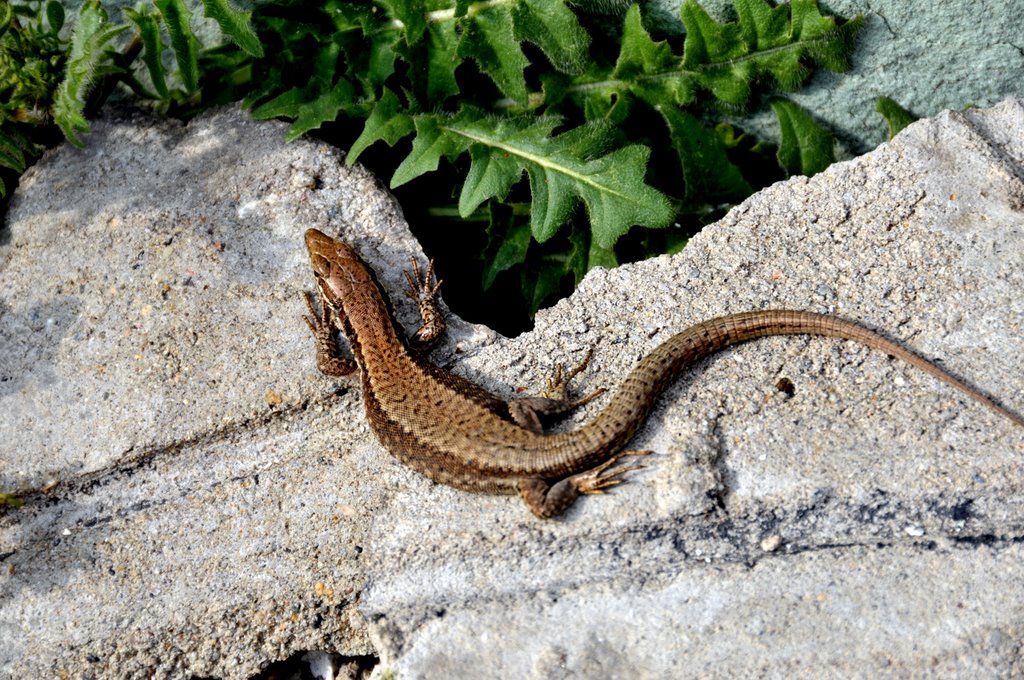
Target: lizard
x,y
457,433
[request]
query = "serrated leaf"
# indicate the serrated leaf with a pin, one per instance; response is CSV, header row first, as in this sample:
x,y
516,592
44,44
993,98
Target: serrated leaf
x,y
563,170
432,141
611,186
411,15
490,175
775,41
895,115
639,54
709,174
91,34
805,148
826,42
12,154
761,25
386,122
320,101
442,60
654,73
235,24
712,51
177,19
284,105
552,26
381,63
489,38
707,41
514,246
309,114
149,32
323,109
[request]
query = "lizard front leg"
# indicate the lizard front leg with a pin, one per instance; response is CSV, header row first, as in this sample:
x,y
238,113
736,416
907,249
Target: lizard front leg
x,y
424,294
325,326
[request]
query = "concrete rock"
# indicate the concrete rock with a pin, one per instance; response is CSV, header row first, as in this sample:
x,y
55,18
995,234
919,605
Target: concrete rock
x,y
215,505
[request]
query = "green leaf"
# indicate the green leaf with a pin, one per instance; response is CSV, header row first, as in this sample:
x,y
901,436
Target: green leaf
x,y
601,257
309,114
323,109
652,70
514,246
152,47
546,283
713,52
805,148
10,500
321,101
387,122
490,176
410,14
895,115
432,141
562,170
12,151
727,58
235,24
490,39
709,174
826,43
381,62
183,41
6,14
284,105
91,34
54,16
442,60
553,27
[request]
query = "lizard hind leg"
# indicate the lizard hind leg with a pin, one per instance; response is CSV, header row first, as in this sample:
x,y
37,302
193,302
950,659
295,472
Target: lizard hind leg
x,y
550,500
528,412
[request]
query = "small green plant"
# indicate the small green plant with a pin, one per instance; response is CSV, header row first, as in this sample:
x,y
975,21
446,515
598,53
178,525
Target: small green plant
x,y
47,79
570,145
896,117
539,114
10,501
32,57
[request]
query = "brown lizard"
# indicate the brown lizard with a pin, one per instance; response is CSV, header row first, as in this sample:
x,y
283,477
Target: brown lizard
x,y
457,433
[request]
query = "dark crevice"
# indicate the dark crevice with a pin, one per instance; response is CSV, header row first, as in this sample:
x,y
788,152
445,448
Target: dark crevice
x,y
133,461
303,665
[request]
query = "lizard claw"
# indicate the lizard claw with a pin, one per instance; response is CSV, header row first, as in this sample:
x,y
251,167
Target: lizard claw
x,y
323,325
424,294
419,289
558,384
598,479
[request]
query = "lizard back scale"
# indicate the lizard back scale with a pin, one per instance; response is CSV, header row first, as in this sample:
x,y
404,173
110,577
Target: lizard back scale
x,y
457,433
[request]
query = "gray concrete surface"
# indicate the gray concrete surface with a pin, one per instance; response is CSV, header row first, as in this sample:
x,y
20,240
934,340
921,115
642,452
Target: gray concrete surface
x,y
214,505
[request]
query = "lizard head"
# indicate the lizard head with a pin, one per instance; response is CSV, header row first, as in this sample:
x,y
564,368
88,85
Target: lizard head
x,y
336,266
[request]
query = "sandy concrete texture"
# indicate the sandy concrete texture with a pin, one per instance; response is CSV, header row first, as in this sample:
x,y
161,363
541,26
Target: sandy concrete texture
x,y
201,502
